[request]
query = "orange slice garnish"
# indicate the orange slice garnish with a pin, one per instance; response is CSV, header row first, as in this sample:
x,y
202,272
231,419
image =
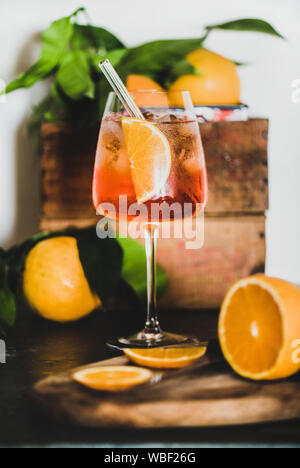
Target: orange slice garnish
x,y
258,327
165,358
150,157
112,378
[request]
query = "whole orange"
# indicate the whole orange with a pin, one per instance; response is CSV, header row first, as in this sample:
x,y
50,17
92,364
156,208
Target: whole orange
x,y
218,84
54,282
142,83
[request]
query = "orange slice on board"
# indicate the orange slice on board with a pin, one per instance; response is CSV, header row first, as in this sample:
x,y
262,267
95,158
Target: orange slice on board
x,y
259,326
112,378
150,157
165,358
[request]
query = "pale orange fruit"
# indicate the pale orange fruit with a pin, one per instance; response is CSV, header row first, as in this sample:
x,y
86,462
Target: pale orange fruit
x,y
142,83
54,282
164,358
150,157
112,378
219,83
258,327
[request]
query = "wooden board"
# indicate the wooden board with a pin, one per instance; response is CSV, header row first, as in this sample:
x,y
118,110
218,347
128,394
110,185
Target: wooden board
x,y
236,156
206,394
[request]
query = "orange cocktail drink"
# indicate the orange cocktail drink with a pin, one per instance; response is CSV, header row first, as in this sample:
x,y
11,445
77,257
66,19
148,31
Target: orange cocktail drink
x,y
171,171
149,168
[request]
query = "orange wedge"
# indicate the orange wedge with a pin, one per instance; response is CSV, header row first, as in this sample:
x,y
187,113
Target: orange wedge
x,y
165,358
112,378
150,157
259,325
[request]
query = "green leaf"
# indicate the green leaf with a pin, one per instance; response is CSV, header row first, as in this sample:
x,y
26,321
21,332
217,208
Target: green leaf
x,y
56,94
17,254
92,37
2,267
114,56
54,43
134,270
182,67
247,24
101,260
7,298
74,77
49,110
154,57
8,306
239,64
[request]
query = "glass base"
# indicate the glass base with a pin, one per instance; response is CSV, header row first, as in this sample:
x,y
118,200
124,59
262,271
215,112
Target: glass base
x,y
151,340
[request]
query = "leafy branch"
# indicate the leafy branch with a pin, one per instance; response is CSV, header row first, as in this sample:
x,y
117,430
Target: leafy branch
x,y
71,52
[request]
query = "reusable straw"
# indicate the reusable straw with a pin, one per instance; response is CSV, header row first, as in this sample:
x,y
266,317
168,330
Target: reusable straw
x,y
119,88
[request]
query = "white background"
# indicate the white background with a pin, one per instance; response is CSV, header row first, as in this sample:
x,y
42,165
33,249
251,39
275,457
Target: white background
x,y
273,65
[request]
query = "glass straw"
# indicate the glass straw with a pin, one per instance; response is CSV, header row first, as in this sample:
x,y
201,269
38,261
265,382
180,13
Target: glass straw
x,y
118,86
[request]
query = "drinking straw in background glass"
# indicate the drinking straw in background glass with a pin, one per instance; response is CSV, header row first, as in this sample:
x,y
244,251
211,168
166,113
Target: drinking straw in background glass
x,y
119,88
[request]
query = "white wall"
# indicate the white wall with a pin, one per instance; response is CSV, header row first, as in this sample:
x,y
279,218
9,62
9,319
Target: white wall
x,y
272,66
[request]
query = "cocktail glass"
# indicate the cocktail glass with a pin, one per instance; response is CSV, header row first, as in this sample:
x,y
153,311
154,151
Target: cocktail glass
x,y
151,170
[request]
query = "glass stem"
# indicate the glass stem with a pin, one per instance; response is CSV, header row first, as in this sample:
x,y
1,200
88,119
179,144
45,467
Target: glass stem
x,y
152,328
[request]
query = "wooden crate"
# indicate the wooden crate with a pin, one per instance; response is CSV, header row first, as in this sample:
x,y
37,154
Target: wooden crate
x,y
236,156
234,247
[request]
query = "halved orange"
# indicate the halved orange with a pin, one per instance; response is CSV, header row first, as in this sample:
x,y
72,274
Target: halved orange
x,y
258,327
164,358
112,378
150,157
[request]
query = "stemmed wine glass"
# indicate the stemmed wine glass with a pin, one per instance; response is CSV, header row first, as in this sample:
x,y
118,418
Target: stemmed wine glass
x,y
150,168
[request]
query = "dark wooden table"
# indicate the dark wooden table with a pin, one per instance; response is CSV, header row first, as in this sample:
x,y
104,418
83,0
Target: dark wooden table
x,y
37,348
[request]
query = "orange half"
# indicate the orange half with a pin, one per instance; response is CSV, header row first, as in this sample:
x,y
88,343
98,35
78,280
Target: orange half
x,y
258,327
150,157
112,378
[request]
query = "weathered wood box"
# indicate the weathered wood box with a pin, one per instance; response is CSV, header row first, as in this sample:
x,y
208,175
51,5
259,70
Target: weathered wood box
x,y
236,156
